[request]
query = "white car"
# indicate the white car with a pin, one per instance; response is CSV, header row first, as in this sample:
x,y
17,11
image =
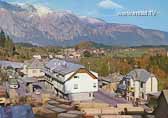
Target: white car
x,y
37,92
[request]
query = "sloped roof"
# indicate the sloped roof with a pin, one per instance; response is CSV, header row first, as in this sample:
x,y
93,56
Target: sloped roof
x,y
115,77
34,64
63,67
20,111
165,93
11,64
139,75
29,79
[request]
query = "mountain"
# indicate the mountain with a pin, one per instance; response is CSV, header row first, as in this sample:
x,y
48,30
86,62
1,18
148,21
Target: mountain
x,y
5,5
42,26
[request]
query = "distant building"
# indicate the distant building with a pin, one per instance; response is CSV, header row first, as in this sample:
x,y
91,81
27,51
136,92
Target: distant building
x,y
75,55
69,80
50,56
59,56
162,109
111,82
138,84
37,56
33,68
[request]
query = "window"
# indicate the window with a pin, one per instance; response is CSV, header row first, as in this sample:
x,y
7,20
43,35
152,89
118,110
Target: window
x,y
141,85
94,85
133,94
75,86
90,94
76,77
128,82
143,95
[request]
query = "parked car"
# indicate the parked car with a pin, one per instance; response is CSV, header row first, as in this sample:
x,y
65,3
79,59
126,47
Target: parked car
x,y
37,92
13,83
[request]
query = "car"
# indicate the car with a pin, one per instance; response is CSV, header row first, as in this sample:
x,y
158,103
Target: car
x,y
37,92
13,84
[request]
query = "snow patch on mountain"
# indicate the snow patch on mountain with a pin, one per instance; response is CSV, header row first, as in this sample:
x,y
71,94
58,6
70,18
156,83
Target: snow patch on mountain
x,y
92,20
43,10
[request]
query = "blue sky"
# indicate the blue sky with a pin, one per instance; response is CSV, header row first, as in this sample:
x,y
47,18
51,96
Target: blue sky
x,y
108,9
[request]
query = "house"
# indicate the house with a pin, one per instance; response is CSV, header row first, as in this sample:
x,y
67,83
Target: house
x,y
70,80
138,84
33,68
161,110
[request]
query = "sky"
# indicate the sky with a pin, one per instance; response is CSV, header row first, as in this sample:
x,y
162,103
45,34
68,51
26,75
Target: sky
x,y
108,10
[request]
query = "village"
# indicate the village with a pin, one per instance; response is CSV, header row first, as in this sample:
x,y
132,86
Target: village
x,y
59,87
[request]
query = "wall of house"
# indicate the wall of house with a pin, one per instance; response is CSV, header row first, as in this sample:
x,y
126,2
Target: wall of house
x,y
131,83
151,85
84,82
58,85
137,89
154,85
80,96
24,70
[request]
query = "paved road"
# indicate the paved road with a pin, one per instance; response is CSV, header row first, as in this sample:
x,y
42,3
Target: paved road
x,y
22,89
100,96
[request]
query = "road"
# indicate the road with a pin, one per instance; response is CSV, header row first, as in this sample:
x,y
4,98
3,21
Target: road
x,y
100,96
21,90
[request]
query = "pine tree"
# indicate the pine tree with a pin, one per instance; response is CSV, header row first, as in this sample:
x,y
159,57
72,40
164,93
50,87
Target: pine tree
x,y
2,38
7,43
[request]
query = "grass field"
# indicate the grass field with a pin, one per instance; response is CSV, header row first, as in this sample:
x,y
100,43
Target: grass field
x,y
129,53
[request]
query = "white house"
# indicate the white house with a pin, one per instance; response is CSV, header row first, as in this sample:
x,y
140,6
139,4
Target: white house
x,y
69,80
33,68
138,83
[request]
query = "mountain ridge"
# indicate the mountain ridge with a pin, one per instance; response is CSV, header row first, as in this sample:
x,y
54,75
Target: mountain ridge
x,y
43,26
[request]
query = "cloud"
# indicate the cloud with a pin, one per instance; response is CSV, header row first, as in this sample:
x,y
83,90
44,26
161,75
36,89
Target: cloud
x,y
109,4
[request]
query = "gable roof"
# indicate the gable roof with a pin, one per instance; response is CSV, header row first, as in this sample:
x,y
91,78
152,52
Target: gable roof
x,y
15,65
83,70
139,75
62,67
